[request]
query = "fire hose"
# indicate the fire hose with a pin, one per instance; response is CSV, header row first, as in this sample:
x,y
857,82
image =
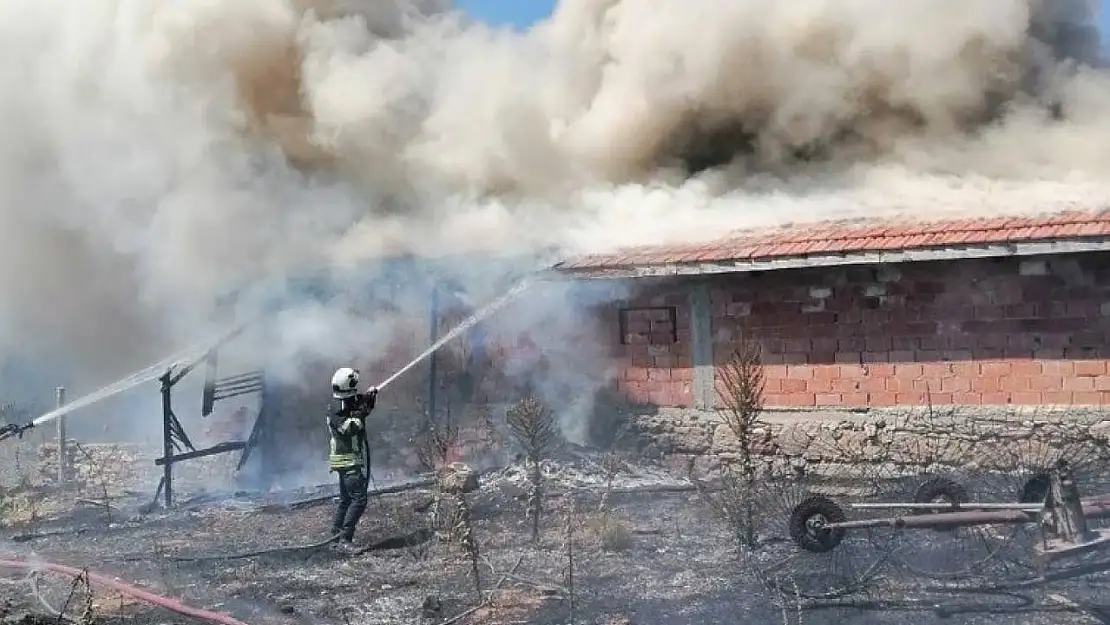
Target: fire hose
x,y
145,596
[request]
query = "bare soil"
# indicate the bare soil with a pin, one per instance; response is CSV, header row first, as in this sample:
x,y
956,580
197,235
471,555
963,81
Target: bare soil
x,y
671,563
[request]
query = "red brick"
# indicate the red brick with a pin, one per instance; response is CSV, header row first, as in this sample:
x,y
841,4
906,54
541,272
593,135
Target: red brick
x,y
819,386
908,371
659,375
1091,368
910,399
1027,368
826,372
882,398
772,386
1010,383
900,385
966,370
967,399
683,374
1102,384
955,385
793,386
996,369
1046,383
996,399
1058,367
984,384
1079,384
936,370
799,372
939,399
636,374
774,372
853,372
792,400
880,370
847,385
1087,399
873,384
854,399
1025,398
828,399
1057,398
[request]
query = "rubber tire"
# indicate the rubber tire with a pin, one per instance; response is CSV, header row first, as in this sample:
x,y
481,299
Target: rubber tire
x,y
1035,489
943,487
808,508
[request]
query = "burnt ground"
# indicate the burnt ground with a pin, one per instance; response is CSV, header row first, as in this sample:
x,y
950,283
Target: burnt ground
x,y
673,564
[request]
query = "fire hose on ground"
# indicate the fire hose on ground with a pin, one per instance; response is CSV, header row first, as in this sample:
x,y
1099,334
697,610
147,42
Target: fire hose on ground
x,y
134,592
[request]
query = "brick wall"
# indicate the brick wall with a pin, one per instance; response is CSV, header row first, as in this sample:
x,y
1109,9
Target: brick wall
x,y
968,332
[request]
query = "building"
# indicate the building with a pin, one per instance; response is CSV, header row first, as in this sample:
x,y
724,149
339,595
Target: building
x,y
1012,311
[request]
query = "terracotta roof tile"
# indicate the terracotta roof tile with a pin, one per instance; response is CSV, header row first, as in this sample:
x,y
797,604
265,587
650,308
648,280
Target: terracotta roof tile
x,y
839,239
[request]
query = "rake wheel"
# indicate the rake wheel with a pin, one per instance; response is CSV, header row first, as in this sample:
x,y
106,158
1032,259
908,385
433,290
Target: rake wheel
x,y
948,553
807,522
799,560
940,490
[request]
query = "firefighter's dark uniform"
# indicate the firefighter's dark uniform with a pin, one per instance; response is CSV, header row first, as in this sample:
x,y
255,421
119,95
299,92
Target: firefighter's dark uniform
x,y
347,426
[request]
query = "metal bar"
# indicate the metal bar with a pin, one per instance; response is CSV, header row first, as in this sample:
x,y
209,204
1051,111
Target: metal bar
x,y
63,451
222,386
238,393
211,366
256,429
1028,507
179,431
186,370
250,375
167,437
238,384
943,519
201,453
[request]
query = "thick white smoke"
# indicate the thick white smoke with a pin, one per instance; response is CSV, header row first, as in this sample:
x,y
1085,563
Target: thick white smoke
x,y
156,155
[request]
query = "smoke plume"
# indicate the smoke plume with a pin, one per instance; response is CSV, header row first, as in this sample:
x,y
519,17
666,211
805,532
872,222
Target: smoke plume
x,y
157,156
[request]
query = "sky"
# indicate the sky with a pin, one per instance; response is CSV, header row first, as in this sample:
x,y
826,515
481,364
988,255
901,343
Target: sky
x,y
523,13
518,13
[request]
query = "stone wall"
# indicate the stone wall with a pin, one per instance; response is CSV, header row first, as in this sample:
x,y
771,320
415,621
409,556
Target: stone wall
x,y
829,442
1006,331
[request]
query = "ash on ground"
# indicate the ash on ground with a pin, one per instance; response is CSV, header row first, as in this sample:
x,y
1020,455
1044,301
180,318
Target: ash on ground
x,y
644,546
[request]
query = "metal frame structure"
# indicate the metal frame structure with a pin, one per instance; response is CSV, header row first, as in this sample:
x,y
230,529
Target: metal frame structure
x,y
176,445
818,525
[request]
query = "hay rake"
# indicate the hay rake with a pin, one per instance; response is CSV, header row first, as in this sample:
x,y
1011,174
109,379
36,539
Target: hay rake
x,y
1048,509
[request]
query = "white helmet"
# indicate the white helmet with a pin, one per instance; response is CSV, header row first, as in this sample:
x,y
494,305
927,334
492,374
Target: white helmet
x,y
344,384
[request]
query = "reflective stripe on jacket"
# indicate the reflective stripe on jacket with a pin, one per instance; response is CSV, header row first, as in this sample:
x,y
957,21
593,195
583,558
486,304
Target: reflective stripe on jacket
x,y
346,429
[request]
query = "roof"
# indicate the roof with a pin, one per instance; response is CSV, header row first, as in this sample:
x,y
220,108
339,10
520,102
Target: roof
x,y
829,243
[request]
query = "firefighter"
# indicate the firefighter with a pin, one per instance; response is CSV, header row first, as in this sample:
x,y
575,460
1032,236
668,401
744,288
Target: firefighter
x,y
347,430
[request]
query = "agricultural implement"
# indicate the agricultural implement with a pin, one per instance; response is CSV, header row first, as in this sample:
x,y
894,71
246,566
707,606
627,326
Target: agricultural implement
x,y
831,549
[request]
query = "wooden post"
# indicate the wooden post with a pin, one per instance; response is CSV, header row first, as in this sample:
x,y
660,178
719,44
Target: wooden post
x,y
167,438
63,451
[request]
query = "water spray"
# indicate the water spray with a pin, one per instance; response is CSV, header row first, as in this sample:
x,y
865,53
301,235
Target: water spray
x,y
466,324
126,383
158,369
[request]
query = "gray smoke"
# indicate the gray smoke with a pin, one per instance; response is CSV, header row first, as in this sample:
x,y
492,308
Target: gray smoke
x,y
157,156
